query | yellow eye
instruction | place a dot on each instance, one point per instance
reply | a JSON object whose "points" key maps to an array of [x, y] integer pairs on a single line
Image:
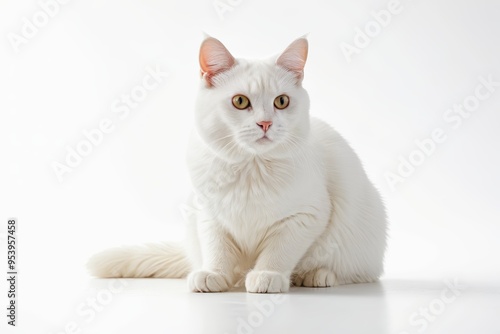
{"points": [[241, 102], [281, 102]]}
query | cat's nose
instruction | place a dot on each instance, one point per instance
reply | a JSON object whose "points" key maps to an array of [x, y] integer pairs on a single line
{"points": [[265, 125]]}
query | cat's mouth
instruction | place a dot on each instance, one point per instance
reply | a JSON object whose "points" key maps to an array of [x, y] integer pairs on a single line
{"points": [[264, 140]]}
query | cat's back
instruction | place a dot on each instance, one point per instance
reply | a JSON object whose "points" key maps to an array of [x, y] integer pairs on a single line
{"points": [[344, 171], [327, 139]]}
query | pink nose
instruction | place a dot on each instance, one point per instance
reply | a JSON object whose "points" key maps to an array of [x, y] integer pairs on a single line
{"points": [[265, 125]]}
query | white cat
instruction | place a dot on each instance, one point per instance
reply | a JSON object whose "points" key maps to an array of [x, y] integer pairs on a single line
{"points": [[279, 197]]}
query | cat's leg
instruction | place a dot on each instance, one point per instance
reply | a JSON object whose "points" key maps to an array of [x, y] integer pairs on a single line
{"points": [[281, 252], [315, 269], [219, 258], [350, 250]]}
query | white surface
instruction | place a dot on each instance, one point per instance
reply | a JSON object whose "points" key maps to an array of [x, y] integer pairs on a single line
{"points": [[165, 306], [444, 218]]}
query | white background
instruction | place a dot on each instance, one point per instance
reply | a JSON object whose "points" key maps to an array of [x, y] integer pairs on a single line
{"points": [[444, 218]]}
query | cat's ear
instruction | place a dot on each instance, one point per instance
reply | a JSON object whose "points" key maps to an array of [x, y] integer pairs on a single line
{"points": [[214, 59], [294, 57]]}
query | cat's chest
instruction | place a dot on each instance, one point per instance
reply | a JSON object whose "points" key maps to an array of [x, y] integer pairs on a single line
{"points": [[253, 191]]}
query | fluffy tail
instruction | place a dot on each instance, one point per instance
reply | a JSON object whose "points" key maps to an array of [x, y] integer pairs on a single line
{"points": [[152, 260]]}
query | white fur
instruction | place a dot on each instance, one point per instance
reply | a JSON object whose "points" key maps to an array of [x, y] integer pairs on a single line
{"points": [[296, 208]]}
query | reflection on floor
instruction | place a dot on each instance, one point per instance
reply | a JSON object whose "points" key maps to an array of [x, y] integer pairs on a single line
{"points": [[390, 306]]}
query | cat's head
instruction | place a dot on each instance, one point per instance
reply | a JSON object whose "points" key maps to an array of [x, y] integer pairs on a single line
{"points": [[252, 107]]}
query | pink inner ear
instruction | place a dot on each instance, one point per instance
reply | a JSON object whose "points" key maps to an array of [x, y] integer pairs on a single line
{"points": [[214, 58], [294, 57]]}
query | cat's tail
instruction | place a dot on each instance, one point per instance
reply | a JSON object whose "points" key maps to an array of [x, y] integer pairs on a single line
{"points": [[166, 260]]}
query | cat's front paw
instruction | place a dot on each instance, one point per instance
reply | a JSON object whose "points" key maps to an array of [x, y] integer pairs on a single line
{"points": [[207, 281], [263, 281], [318, 278]]}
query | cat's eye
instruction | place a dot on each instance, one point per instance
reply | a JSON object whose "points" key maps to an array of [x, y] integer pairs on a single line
{"points": [[241, 102], [281, 102]]}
